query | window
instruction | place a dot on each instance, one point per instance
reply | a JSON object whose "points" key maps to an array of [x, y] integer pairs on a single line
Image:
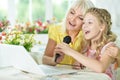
{"points": [[3, 8], [26, 10], [59, 9]]}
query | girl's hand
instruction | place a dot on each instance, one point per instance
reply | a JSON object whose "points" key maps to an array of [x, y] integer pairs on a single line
{"points": [[64, 48], [77, 65]]}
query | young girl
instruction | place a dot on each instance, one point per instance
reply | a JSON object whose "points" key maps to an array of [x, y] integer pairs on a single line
{"points": [[99, 51]]}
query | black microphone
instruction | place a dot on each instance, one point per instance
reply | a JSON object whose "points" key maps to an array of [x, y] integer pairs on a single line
{"points": [[67, 39]]}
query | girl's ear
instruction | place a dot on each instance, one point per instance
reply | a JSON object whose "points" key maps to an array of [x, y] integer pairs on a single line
{"points": [[101, 30], [102, 27]]}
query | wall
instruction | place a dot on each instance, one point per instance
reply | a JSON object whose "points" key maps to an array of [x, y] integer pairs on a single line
{"points": [[112, 7]]}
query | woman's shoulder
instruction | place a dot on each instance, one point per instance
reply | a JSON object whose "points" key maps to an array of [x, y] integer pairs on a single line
{"points": [[55, 26], [55, 30]]}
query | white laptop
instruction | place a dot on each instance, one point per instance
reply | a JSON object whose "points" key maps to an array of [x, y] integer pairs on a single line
{"points": [[17, 56]]}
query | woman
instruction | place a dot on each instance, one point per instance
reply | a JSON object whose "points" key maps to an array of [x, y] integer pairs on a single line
{"points": [[72, 27], [100, 52]]}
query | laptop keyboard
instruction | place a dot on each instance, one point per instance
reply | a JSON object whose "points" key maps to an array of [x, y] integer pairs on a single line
{"points": [[48, 69], [53, 70]]}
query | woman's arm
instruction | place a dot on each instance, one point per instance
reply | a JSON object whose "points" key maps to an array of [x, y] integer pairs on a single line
{"points": [[49, 53], [95, 65], [115, 53]]}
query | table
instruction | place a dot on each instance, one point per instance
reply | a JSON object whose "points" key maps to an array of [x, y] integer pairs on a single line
{"points": [[10, 73], [89, 75]]}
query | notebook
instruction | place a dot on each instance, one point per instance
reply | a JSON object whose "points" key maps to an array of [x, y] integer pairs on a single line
{"points": [[17, 56]]}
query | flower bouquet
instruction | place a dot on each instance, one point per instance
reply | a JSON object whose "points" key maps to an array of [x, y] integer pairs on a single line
{"points": [[36, 28], [3, 24], [18, 38]]}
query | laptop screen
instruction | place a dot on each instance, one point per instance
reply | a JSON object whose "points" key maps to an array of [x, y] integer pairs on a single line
{"points": [[18, 57]]}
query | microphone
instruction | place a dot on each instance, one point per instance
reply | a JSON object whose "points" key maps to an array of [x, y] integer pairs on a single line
{"points": [[67, 39]]}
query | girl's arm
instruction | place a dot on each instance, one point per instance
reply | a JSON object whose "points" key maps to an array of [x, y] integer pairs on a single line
{"points": [[93, 64]]}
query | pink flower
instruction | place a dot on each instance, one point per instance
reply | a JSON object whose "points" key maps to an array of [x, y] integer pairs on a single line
{"points": [[1, 24], [39, 23]]}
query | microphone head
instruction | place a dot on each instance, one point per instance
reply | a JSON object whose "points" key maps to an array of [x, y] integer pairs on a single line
{"points": [[67, 39]]}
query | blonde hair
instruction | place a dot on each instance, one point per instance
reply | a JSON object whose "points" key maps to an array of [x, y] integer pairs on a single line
{"points": [[104, 18], [83, 4]]}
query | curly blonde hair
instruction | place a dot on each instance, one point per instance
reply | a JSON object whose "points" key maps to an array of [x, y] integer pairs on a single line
{"points": [[103, 17]]}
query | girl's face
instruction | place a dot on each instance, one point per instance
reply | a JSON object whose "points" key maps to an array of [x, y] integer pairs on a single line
{"points": [[74, 19], [91, 27]]}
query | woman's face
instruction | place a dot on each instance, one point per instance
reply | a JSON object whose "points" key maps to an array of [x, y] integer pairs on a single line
{"points": [[74, 19], [91, 27]]}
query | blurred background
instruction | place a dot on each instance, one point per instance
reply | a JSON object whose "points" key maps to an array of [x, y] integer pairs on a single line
{"points": [[18, 12], [30, 10]]}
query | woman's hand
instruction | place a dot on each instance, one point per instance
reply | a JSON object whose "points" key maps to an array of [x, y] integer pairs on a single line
{"points": [[114, 51], [58, 57]]}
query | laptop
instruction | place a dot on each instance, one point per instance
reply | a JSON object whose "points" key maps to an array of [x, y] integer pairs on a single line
{"points": [[18, 57]]}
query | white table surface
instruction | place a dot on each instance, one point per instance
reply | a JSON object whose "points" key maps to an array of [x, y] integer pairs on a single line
{"points": [[10, 73]]}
